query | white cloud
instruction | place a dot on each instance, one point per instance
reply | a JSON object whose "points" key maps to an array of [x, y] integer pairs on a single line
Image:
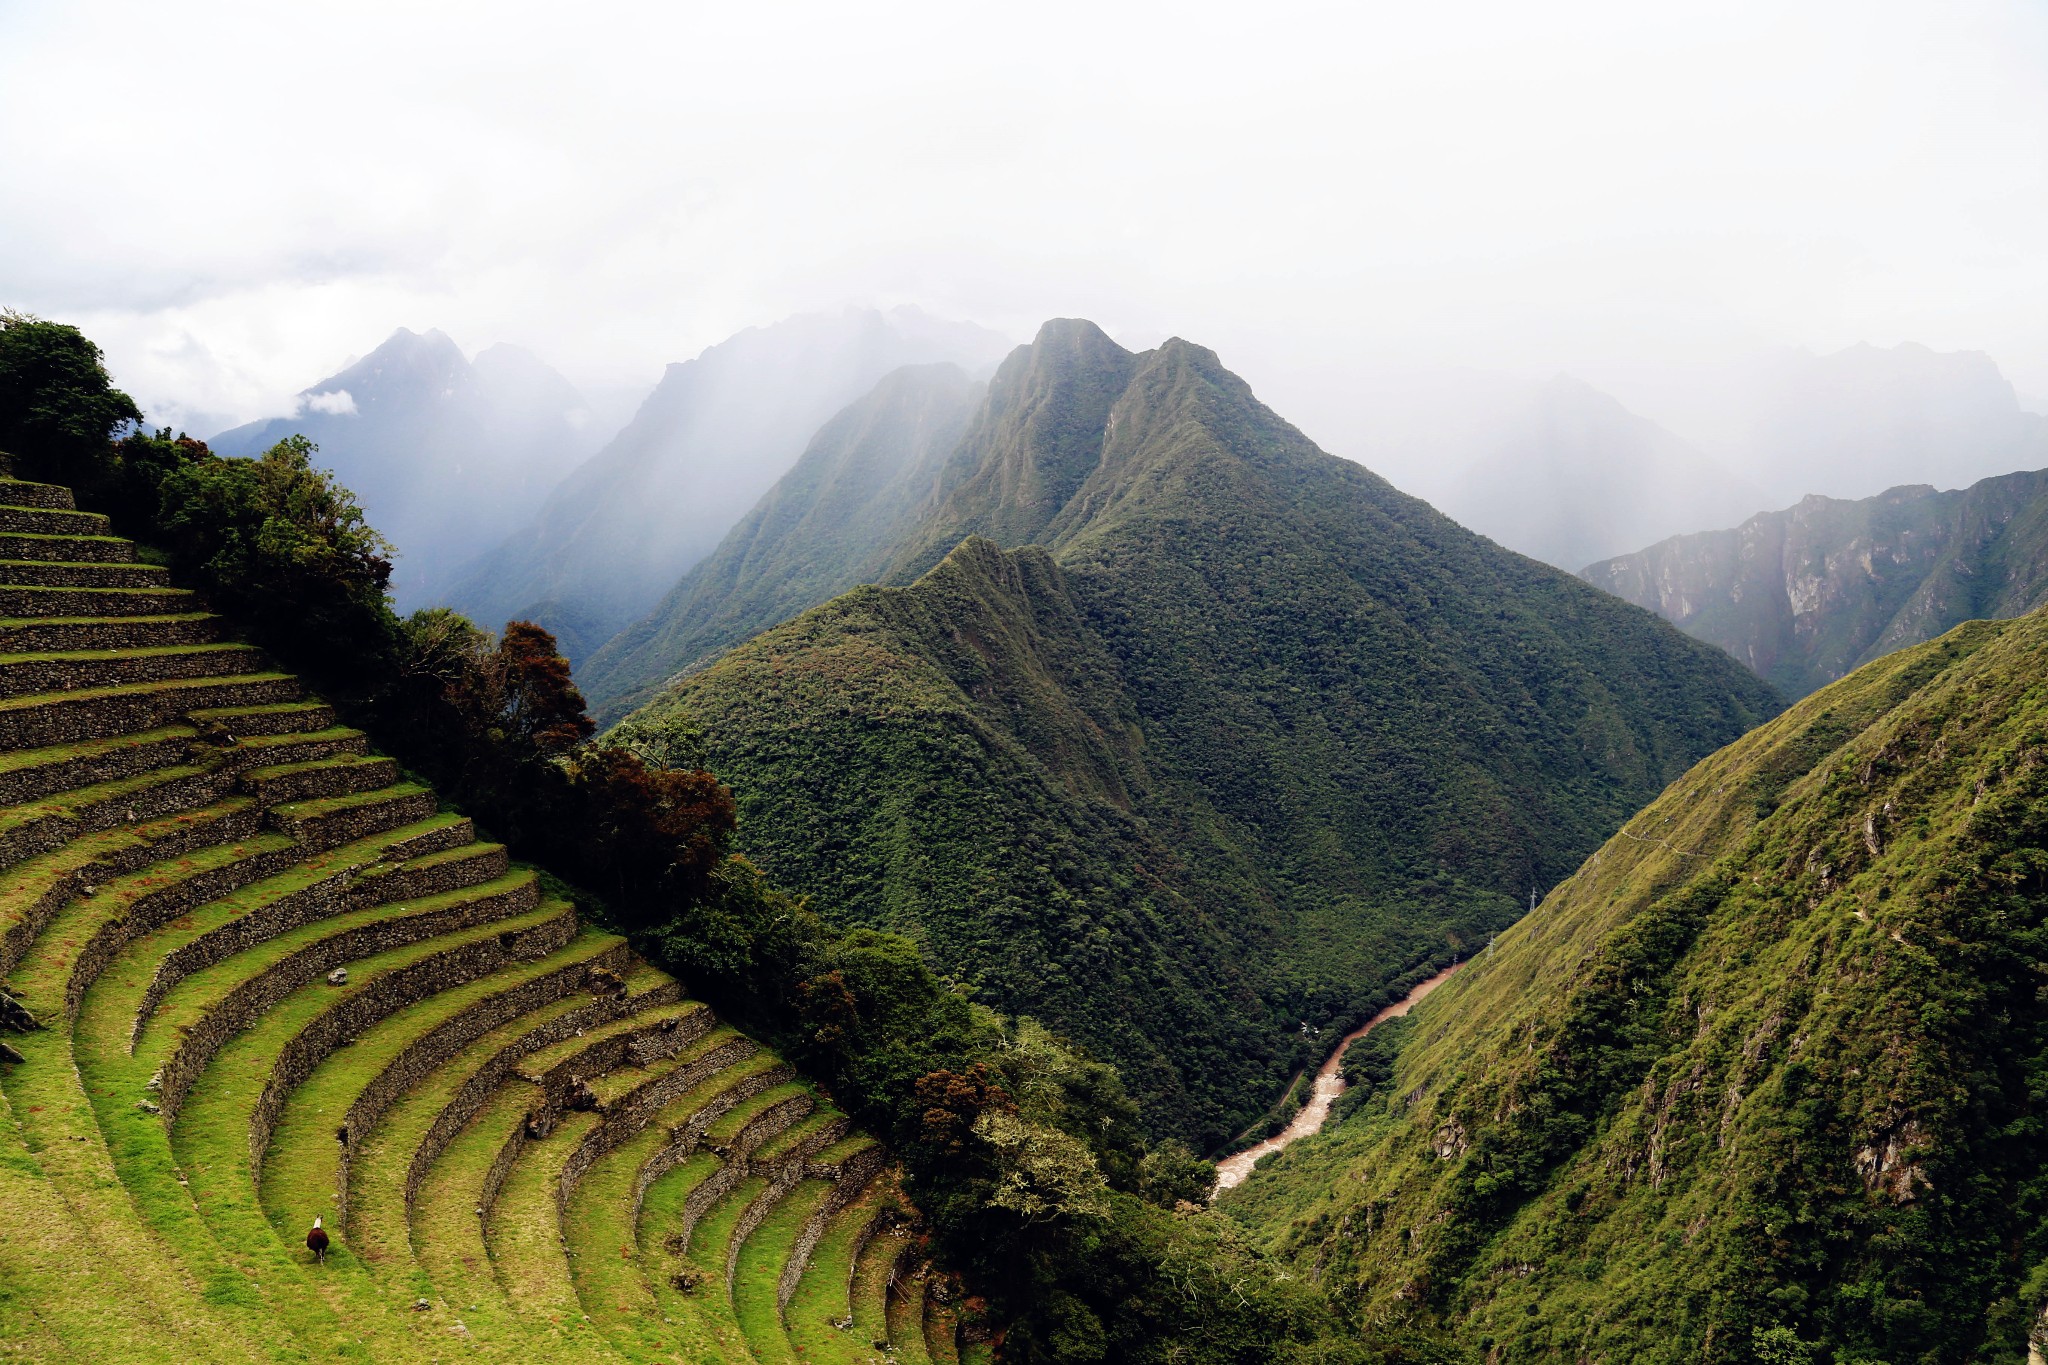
{"points": [[335, 403], [1311, 188]]}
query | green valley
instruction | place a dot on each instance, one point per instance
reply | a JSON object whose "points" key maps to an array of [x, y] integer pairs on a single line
{"points": [[1182, 735]]}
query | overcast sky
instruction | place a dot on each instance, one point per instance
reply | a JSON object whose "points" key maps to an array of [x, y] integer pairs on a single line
{"points": [[234, 198]]}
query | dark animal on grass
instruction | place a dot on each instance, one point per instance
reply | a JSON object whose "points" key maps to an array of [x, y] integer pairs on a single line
{"points": [[316, 1242]]}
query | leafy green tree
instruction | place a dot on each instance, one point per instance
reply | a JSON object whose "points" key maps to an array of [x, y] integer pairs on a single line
{"points": [[58, 408]]}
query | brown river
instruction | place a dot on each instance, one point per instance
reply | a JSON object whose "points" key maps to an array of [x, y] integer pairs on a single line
{"points": [[1232, 1170]]}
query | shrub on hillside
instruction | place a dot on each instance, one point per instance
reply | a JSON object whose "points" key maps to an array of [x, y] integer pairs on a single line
{"points": [[58, 407]]}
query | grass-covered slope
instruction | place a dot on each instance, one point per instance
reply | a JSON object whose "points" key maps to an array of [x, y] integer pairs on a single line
{"points": [[251, 976], [1762, 1081], [1806, 594], [827, 525], [1253, 736]]}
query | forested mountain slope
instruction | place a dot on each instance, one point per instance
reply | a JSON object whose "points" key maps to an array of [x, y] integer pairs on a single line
{"points": [[1762, 1081], [1252, 737], [1806, 594], [826, 526]]}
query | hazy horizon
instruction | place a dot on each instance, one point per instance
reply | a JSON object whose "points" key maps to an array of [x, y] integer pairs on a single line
{"points": [[233, 199]]}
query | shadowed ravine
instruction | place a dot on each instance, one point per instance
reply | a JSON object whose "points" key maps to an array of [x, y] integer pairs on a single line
{"points": [[1233, 1170]]}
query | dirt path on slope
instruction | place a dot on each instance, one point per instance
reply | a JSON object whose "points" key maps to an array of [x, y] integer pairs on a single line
{"points": [[1231, 1171]]}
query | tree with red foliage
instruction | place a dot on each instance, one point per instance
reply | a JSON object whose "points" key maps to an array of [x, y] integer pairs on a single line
{"points": [[953, 1101], [541, 706], [656, 830]]}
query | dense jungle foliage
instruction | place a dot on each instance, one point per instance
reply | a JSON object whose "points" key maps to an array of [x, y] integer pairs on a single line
{"points": [[1251, 741], [1082, 1241], [1764, 1081]]}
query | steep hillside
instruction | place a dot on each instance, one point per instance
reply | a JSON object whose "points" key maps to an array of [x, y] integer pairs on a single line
{"points": [[1804, 595], [1577, 477], [254, 976], [1762, 1081], [826, 526], [1251, 706], [446, 453], [712, 438]]}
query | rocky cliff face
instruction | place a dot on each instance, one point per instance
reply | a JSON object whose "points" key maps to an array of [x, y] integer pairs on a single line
{"points": [[1806, 594]]}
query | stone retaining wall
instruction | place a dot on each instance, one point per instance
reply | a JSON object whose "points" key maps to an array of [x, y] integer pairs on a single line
{"points": [[319, 830], [241, 1006], [68, 774], [469, 1098], [51, 521], [626, 1117], [23, 493], [66, 549], [439, 1045], [229, 827], [384, 997], [63, 673], [54, 828], [68, 720], [844, 1192], [332, 895], [330, 779], [157, 632], [395, 880], [652, 1041], [92, 590]]}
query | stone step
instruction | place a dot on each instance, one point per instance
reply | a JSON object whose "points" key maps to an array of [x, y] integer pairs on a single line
{"points": [[326, 821], [29, 774], [23, 596], [47, 549], [504, 925], [37, 889], [23, 493], [77, 670], [340, 775], [50, 822], [818, 1312], [775, 1241], [101, 712], [49, 521], [271, 894], [51, 634], [239, 723]]}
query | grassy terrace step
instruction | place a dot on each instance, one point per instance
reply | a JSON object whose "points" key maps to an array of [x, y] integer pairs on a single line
{"points": [[699, 1318], [27, 493], [757, 1118], [850, 1155], [95, 712], [761, 1261], [51, 521], [34, 891], [336, 775], [30, 774], [326, 1119], [206, 1008], [73, 670], [819, 1312], [66, 549], [638, 1039], [906, 1312], [66, 590], [324, 821], [43, 634], [398, 1157], [523, 1230], [212, 1139], [874, 1270], [814, 1132], [603, 1223], [713, 1243]]}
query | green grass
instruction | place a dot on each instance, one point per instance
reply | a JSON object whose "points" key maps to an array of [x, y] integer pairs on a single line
{"points": [[906, 1319], [223, 648], [523, 1232], [727, 1127], [20, 759], [823, 1295], [872, 1270], [379, 1220], [795, 1136], [758, 1270], [702, 1318], [70, 805], [711, 1243], [169, 686]]}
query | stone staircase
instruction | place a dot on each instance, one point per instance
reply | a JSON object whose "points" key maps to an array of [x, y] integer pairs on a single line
{"points": [[272, 979]]}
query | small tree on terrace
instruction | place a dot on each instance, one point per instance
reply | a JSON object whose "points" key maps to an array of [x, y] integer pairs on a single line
{"points": [[58, 409]]}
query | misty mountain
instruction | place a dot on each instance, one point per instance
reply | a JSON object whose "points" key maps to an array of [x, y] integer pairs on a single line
{"points": [[1574, 476], [708, 442], [830, 523], [1861, 420], [445, 453], [1806, 594], [1181, 734]]}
